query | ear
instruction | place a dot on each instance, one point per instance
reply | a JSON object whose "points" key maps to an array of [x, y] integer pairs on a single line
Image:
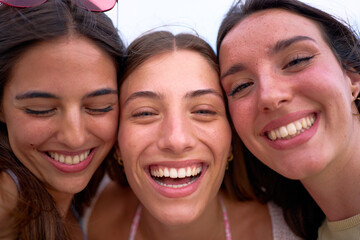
{"points": [[354, 84], [117, 149]]}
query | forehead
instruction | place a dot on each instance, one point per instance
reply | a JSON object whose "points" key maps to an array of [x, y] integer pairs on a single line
{"points": [[263, 29], [181, 70]]}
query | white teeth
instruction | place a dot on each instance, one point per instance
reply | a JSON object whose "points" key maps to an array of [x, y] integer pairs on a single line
{"points": [[292, 129], [69, 160], [176, 185], [176, 172]]}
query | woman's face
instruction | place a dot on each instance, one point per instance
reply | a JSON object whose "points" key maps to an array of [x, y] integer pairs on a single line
{"points": [[61, 110], [289, 98], [174, 137]]}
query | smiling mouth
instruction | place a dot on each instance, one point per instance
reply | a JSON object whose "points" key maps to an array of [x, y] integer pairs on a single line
{"points": [[292, 129], [176, 177], [69, 159]]}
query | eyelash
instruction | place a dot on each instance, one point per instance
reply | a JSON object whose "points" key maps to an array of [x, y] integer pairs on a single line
{"points": [[100, 110], [142, 114], [47, 112], [37, 113], [205, 112], [298, 60], [240, 87]]}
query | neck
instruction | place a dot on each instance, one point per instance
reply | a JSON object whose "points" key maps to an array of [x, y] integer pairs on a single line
{"points": [[336, 189], [209, 225], [62, 202]]}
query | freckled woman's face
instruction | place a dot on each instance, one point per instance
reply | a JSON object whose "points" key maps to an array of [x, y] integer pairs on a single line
{"points": [[174, 137], [289, 98], [61, 111]]}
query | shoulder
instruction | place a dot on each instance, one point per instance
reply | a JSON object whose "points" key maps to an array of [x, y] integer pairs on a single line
{"points": [[112, 214], [8, 196], [248, 219]]}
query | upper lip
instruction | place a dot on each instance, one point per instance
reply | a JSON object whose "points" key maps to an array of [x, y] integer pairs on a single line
{"points": [[284, 120]]}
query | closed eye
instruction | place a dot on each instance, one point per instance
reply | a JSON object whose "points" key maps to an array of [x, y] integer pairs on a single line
{"points": [[298, 61], [41, 113], [240, 88]]}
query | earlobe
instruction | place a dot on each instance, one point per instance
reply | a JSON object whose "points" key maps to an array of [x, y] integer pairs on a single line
{"points": [[354, 85]]}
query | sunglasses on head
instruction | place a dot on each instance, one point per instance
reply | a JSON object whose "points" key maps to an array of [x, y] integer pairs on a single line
{"points": [[92, 5]]}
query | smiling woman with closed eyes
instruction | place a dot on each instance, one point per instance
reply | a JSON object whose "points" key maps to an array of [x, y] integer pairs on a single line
{"points": [[291, 75], [59, 114]]}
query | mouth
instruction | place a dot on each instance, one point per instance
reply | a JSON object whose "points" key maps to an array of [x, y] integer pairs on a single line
{"points": [[292, 129], [176, 177], [69, 159]]}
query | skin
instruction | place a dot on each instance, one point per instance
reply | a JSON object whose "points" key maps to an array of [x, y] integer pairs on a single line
{"points": [[269, 87], [175, 126], [172, 126], [76, 111]]}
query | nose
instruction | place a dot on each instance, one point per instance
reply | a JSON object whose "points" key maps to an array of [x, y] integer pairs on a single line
{"points": [[176, 134], [72, 130], [274, 92]]}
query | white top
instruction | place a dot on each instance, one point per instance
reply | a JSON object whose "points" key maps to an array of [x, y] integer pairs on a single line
{"points": [[281, 230]]}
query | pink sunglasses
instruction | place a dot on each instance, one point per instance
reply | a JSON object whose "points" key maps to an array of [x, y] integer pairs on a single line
{"points": [[92, 5]]}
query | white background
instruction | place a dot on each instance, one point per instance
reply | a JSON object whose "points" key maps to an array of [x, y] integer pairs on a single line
{"points": [[134, 17]]}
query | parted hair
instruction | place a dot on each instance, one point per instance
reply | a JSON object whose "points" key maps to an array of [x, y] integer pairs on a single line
{"points": [[301, 212], [35, 216]]}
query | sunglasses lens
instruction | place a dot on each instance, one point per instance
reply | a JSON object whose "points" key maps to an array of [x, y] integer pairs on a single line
{"points": [[96, 5], [22, 3]]}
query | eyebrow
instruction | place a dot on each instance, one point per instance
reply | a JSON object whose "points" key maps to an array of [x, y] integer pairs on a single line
{"points": [[279, 46], [153, 95], [202, 92], [39, 94], [282, 44], [142, 94]]}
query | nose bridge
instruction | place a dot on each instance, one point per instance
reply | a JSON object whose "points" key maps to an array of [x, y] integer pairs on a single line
{"points": [[273, 91], [177, 135], [72, 131]]}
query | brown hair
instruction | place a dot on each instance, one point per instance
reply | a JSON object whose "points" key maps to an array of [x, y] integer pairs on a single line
{"points": [[155, 43], [35, 216], [300, 211]]}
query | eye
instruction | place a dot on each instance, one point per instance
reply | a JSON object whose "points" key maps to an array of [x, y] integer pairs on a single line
{"points": [[40, 113], [298, 61], [204, 112], [99, 111], [143, 114], [240, 88]]}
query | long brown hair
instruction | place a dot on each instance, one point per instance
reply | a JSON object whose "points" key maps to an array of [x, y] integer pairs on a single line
{"points": [[300, 211], [158, 42], [35, 216]]}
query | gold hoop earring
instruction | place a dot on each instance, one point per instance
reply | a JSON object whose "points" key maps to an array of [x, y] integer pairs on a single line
{"points": [[229, 159], [118, 159]]}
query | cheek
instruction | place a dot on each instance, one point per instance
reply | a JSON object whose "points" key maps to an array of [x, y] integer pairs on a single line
{"points": [[241, 116], [105, 128]]}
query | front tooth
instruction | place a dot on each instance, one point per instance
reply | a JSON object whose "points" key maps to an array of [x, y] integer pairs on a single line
{"points": [[298, 126], [56, 156], [272, 135], [173, 173], [291, 129], [68, 160], [61, 158], [166, 172], [161, 172], [82, 157], [188, 171], [283, 132], [181, 173]]}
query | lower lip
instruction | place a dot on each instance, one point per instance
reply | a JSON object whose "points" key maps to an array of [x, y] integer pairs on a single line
{"points": [[303, 137], [74, 168], [178, 192]]}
